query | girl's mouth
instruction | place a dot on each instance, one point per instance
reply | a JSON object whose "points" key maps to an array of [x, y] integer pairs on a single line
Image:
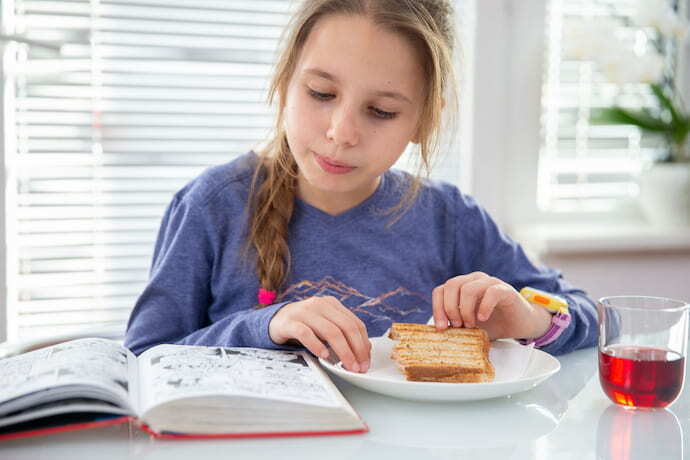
{"points": [[332, 167]]}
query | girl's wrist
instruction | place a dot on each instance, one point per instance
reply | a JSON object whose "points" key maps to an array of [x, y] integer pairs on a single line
{"points": [[542, 322], [275, 326]]}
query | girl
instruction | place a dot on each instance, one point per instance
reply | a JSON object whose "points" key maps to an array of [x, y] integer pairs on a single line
{"points": [[314, 241]]}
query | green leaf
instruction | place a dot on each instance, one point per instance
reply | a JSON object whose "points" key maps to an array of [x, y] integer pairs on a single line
{"points": [[620, 116], [680, 132], [666, 102]]}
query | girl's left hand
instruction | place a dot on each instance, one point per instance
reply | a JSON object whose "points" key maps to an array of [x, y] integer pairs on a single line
{"points": [[486, 302]]}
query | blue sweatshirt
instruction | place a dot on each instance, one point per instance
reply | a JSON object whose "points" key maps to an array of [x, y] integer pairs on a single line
{"points": [[203, 288]]}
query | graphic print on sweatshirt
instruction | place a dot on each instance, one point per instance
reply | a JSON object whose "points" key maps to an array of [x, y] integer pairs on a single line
{"points": [[400, 304]]}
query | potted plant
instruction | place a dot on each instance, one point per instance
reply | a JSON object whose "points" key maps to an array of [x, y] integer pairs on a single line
{"points": [[650, 61]]}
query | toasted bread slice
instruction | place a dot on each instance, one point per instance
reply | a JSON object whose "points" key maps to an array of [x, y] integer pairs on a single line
{"points": [[455, 355]]}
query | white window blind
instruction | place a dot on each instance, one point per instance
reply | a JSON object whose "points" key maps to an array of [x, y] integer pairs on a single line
{"points": [[141, 97], [585, 167]]}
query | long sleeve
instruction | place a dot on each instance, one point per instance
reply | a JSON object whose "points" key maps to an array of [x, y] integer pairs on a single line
{"points": [[481, 246], [174, 305]]}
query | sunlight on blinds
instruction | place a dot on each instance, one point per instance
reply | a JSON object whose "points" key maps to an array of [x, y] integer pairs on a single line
{"points": [[585, 167], [142, 97]]}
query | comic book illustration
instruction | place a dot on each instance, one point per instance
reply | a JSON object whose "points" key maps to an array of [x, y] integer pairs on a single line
{"points": [[173, 371], [96, 362]]}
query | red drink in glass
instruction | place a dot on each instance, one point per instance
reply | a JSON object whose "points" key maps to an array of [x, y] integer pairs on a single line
{"points": [[638, 376]]}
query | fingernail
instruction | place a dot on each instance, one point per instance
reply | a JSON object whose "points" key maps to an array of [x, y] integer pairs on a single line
{"points": [[439, 324], [365, 366], [355, 367], [455, 323], [324, 354]]}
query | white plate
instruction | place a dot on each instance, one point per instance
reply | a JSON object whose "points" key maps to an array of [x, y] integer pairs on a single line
{"points": [[518, 368]]}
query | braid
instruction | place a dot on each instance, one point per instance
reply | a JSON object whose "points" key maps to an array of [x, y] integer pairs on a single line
{"points": [[273, 205]]}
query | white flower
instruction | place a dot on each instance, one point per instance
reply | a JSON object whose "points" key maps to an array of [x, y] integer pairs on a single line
{"points": [[620, 68], [647, 12], [660, 15], [584, 40], [650, 68], [680, 30], [600, 40]]}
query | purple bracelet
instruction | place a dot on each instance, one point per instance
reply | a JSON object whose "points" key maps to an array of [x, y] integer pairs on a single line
{"points": [[559, 322]]}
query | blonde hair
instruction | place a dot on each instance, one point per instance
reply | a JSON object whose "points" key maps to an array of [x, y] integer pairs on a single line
{"points": [[427, 24]]}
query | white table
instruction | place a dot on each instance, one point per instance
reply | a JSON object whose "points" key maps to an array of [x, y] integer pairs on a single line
{"points": [[566, 417]]}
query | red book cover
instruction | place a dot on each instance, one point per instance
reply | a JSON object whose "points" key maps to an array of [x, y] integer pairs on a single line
{"points": [[100, 421], [42, 427]]}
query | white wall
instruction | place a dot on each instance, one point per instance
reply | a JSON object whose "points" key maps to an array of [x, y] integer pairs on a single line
{"points": [[663, 274]]}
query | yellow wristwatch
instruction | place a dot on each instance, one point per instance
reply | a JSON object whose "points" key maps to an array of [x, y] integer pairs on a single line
{"points": [[556, 305]]}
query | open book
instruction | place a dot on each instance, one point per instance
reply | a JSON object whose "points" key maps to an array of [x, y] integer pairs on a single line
{"points": [[171, 391]]}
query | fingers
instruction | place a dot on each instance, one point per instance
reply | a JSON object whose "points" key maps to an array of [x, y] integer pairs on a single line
{"points": [[319, 322], [493, 295], [355, 333], [467, 299], [440, 317], [470, 296], [457, 299], [334, 336], [306, 336], [451, 302]]}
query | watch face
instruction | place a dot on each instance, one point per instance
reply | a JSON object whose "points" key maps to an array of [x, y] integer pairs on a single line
{"points": [[551, 302]]}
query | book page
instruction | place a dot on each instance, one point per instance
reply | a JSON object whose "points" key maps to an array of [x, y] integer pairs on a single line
{"points": [[169, 372], [99, 363]]}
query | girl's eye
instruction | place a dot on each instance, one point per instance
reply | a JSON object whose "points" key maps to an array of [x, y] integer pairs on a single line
{"points": [[320, 96], [383, 114], [326, 97]]}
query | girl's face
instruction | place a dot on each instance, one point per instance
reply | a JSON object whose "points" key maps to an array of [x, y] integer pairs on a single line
{"points": [[352, 107]]}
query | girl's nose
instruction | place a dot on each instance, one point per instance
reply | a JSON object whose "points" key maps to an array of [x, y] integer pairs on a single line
{"points": [[343, 129]]}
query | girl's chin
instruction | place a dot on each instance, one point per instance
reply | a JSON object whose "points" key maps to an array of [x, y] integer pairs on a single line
{"points": [[330, 187], [327, 183]]}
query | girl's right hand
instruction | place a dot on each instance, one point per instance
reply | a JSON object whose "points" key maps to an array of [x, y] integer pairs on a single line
{"points": [[319, 321]]}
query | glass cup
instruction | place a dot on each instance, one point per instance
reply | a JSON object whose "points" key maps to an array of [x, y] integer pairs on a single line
{"points": [[642, 346]]}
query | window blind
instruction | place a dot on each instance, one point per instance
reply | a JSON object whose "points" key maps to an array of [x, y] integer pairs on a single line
{"points": [[142, 96], [585, 167]]}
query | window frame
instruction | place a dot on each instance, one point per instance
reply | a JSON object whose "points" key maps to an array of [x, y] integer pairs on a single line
{"points": [[5, 119]]}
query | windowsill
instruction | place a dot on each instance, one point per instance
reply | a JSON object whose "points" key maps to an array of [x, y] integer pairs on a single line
{"points": [[560, 239]]}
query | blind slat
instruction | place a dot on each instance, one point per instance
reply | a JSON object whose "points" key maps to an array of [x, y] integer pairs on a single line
{"points": [[57, 305]]}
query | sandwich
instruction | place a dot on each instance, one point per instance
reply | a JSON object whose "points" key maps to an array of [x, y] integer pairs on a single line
{"points": [[425, 354]]}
